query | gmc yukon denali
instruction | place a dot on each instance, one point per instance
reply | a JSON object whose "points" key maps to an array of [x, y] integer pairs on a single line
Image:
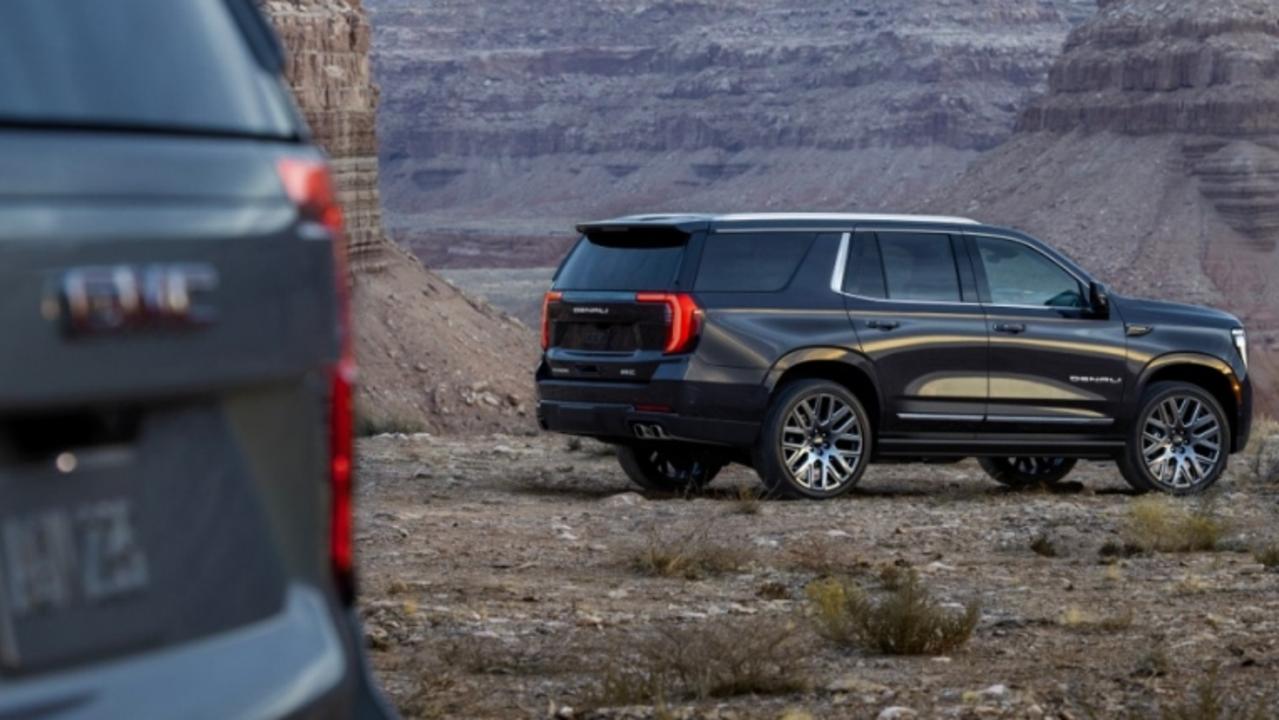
{"points": [[175, 415], [808, 346]]}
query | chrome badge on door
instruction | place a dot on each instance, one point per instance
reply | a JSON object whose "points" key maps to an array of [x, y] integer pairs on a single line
{"points": [[114, 298]]}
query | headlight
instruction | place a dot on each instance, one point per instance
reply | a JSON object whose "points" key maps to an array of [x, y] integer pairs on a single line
{"points": [[1241, 344]]}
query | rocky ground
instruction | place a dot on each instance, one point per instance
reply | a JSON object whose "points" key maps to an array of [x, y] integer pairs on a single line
{"points": [[503, 578]]}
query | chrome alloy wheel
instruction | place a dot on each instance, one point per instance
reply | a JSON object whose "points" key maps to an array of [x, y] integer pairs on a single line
{"points": [[1181, 442], [822, 443]]}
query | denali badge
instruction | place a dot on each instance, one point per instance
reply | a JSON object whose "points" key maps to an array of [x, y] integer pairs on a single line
{"points": [[590, 310], [1091, 380], [121, 297]]}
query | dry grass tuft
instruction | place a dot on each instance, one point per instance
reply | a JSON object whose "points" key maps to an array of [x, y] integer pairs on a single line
{"points": [[692, 557], [1042, 545], [1267, 555], [718, 660], [1082, 620], [1163, 524], [904, 621], [1207, 701], [747, 501], [368, 425], [823, 556], [1260, 458]]}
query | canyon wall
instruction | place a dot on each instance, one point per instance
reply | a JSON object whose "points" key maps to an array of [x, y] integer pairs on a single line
{"points": [[504, 123], [430, 357], [1154, 160]]}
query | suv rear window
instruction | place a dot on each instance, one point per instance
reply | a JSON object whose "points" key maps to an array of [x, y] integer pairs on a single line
{"points": [[624, 261], [763, 262], [150, 64]]}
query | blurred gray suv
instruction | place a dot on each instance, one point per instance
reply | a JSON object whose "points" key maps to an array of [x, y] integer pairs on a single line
{"points": [[175, 378]]}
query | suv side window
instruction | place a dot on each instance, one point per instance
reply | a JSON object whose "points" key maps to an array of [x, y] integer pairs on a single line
{"points": [[751, 262], [1017, 274], [919, 266], [864, 270]]}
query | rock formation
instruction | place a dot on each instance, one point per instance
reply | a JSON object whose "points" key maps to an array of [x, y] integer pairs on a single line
{"points": [[504, 123], [1154, 159], [430, 357]]}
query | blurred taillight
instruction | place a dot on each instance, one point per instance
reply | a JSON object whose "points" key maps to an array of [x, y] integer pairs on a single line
{"points": [[309, 184], [552, 296], [683, 319]]}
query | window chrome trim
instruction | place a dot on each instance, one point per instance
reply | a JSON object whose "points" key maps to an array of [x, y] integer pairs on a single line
{"points": [[841, 263]]}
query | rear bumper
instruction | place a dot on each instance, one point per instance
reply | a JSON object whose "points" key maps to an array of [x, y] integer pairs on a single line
{"points": [[295, 664], [698, 404]]}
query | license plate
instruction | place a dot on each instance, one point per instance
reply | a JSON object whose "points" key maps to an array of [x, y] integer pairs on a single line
{"points": [[62, 561]]}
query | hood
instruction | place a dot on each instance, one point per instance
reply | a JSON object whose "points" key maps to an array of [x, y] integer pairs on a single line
{"points": [[1154, 312]]}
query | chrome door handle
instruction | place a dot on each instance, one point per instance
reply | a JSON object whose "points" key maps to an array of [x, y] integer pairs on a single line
{"points": [[1010, 328], [883, 324]]}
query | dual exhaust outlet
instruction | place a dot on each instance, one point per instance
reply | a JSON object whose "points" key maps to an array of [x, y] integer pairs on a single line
{"points": [[649, 431]]}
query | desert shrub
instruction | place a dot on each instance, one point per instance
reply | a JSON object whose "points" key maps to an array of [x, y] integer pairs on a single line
{"points": [[1207, 701], [903, 621], [822, 556], [718, 660], [1163, 524], [691, 557], [368, 425]]}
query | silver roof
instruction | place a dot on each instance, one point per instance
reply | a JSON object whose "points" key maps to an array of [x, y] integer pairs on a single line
{"points": [[846, 217]]}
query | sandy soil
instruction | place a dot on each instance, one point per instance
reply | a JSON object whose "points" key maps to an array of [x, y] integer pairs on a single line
{"points": [[499, 581]]}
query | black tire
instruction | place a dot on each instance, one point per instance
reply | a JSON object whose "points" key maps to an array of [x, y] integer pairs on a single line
{"points": [[819, 440], [669, 467], [1026, 472], [1187, 437]]}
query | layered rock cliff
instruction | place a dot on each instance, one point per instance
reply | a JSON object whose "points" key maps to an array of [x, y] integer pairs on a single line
{"points": [[1154, 159], [503, 123], [430, 357]]}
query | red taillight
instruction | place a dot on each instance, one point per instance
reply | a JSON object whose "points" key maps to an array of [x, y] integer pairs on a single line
{"points": [[683, 319], [550, 297], [308, 183]]}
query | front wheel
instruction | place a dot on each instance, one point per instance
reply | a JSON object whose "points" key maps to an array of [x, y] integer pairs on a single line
{"points": [[1025, 472], [1179, 442], [815, 442], [669, 467]]}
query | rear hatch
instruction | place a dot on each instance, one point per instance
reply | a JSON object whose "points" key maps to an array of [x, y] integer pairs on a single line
{"points": [[170, 319], [615, 310]]}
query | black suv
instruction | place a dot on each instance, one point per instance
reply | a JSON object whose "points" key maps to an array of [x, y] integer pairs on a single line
{"points": [[808, 345]]}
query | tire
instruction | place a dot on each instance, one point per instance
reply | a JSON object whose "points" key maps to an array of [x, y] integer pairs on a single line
{"points": [[1026, 472], [1191, 455], [668, 467], [840, 440]]}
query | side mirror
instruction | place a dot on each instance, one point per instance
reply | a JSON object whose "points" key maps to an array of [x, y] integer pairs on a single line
{"points": [[1099, 300]]}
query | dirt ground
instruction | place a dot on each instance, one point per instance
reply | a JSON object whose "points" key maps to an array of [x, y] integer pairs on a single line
{"points": [[500, 581]]}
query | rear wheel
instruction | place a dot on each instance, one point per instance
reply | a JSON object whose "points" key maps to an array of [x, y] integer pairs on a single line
{"points": [[815, 442], [1179, 441], [1022, 472], [669, 467]]}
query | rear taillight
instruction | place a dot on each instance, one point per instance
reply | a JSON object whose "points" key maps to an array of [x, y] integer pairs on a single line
{"points": [[310, 186], [683, 319], [551, 296]]}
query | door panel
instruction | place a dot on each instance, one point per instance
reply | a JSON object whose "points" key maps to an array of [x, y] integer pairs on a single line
{"points": [[1054, 366], [929, 347]]}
